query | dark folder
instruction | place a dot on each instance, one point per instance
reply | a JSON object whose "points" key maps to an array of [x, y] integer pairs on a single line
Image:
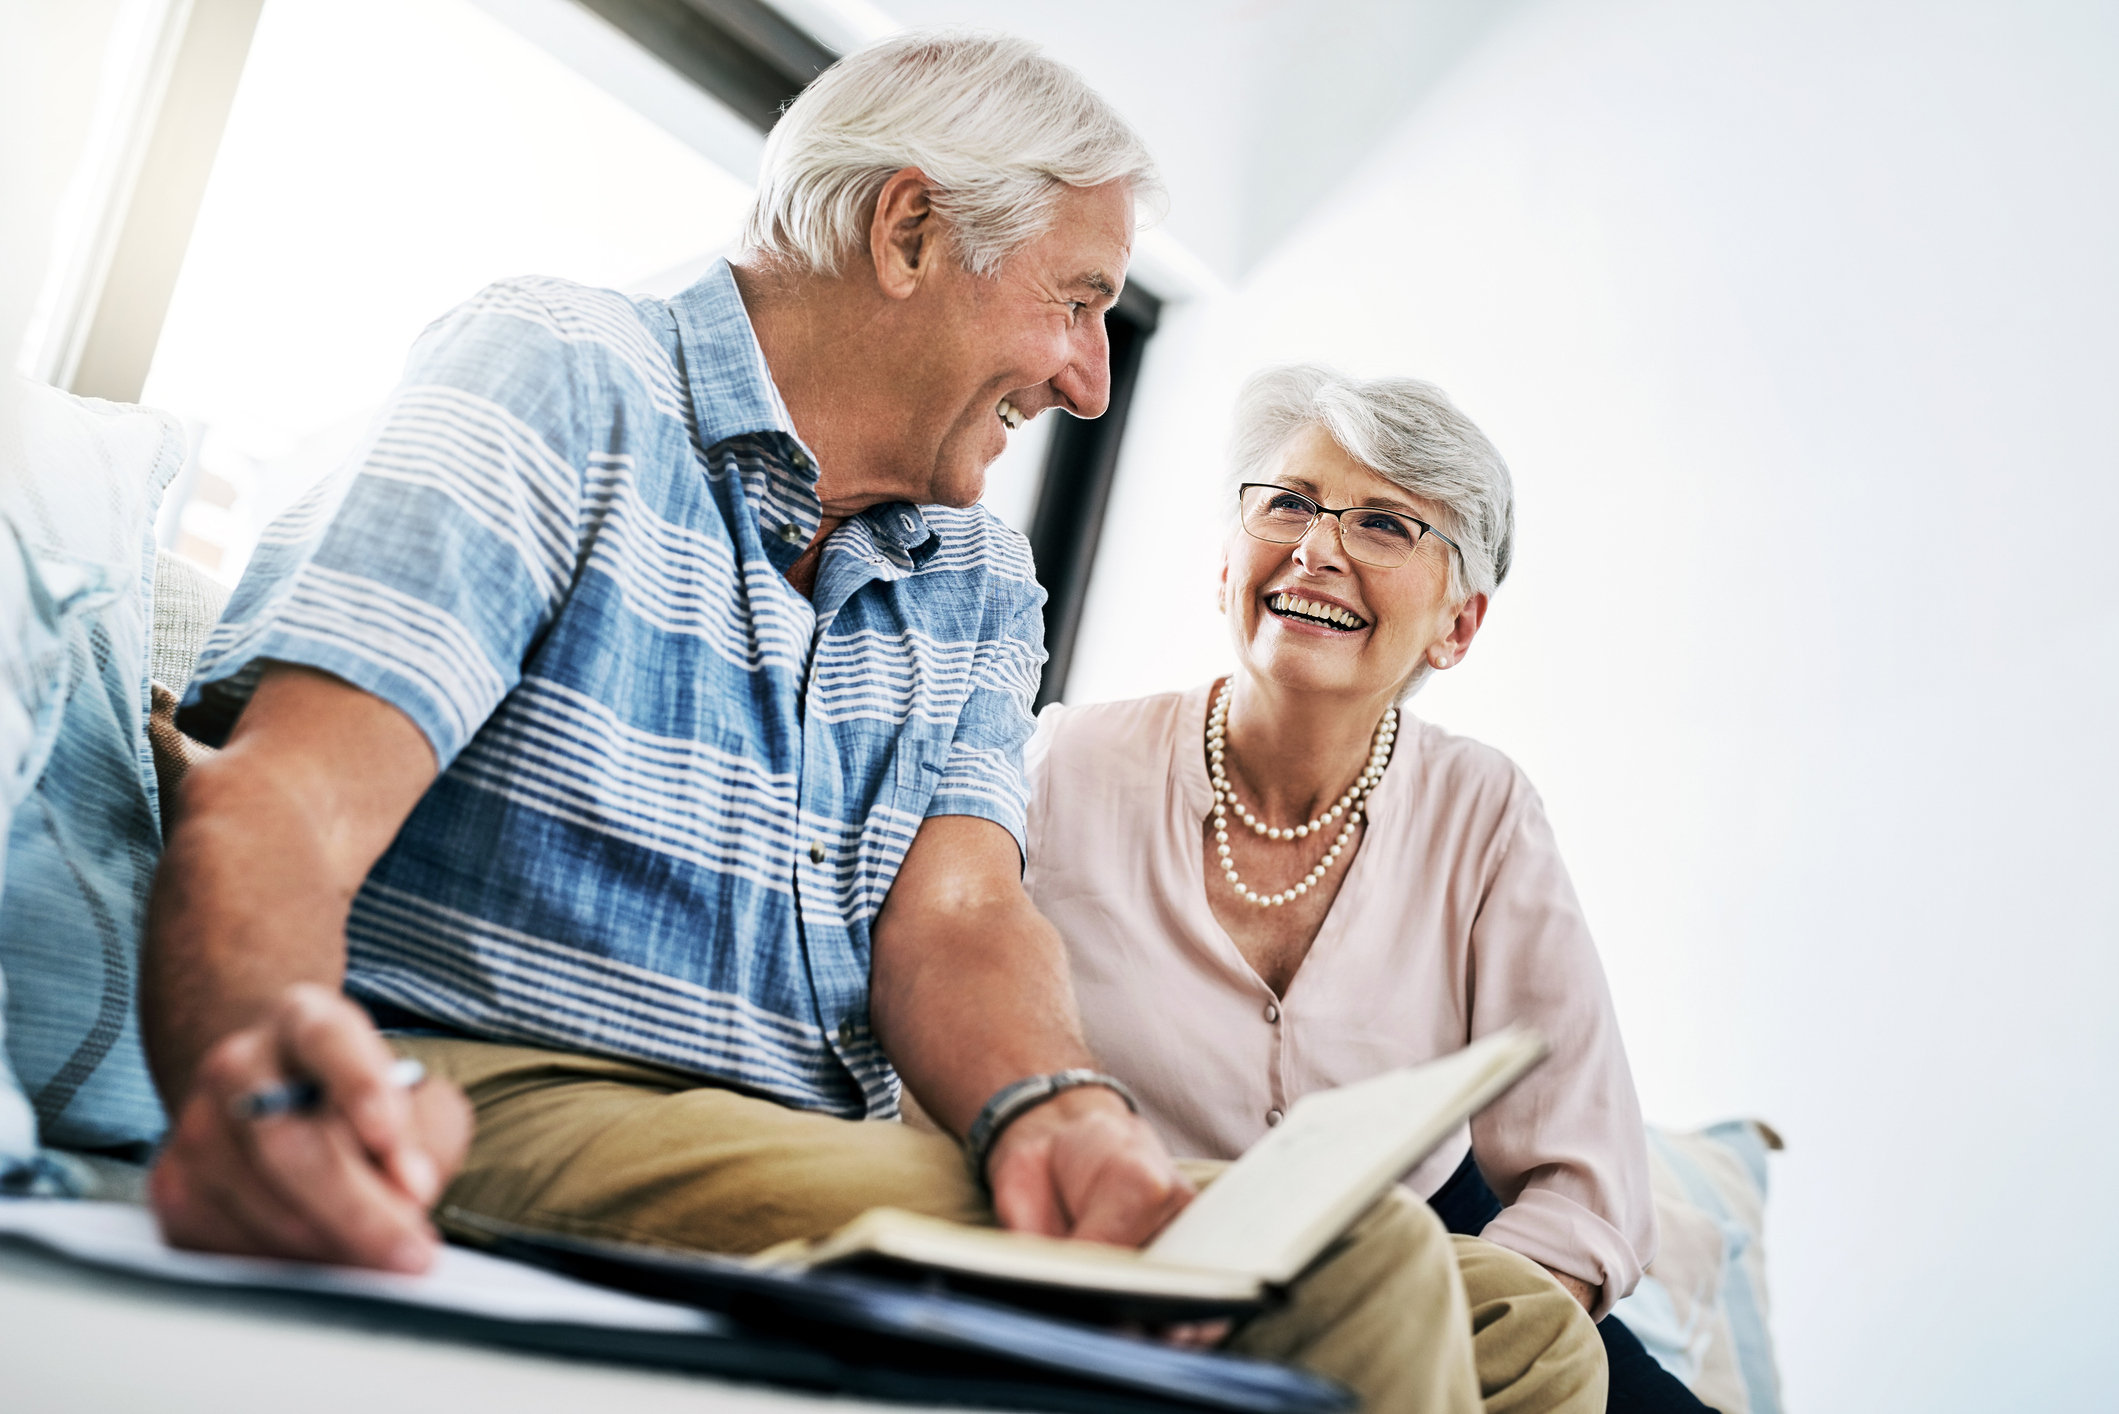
{"points": [[882, 1339]]}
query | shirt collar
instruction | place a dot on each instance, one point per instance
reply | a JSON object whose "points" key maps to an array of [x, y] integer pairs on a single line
{"points": [[899, 526], [733, 392], [734, 395]]}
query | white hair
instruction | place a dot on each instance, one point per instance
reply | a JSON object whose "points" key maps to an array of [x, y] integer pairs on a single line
{"points": [[1407, 432], [998, 128]]}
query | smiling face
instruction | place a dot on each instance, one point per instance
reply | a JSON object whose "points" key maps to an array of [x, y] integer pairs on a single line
{"points": [[998, 350], [1309, 618]]}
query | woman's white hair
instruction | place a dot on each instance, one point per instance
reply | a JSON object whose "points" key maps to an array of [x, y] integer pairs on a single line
{"points": [[997, 127], [1407, 432]]}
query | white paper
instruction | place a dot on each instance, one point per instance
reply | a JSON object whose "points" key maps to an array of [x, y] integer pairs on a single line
{"points": [[122, 1236]]}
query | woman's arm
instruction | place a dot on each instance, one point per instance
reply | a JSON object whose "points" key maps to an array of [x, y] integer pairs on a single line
{"points": [[1565, 1149]]}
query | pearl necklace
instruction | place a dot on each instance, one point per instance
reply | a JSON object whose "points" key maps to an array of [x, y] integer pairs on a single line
{"points": [[1348, 804]]}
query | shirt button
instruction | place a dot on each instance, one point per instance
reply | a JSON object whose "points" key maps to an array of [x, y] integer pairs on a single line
{"points": [[846, 1032], [801, 462], [1272, 1012], [816, 851], [1274, 1117], [791, 533]]}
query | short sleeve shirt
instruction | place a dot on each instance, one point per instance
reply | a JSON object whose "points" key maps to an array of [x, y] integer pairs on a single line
{"points": [[673, 791]]}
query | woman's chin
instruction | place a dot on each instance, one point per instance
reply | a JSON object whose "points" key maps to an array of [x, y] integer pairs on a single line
{"points": [[1312, 673]]}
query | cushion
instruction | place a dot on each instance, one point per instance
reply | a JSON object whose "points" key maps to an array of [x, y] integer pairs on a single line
{"points": [[1701, 1307], [33, 659], [80, 481], [187, 605]]}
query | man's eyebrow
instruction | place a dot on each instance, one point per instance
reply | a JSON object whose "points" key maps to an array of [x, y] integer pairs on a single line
{"points": [[1098, 281]]}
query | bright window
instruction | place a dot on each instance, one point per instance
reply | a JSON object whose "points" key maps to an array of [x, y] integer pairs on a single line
{"points": [[383, 161]]}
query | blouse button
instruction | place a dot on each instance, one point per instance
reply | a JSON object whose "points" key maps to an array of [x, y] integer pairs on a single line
{"points": [[1272, 1012], [1274, 1117], [816, 851]]}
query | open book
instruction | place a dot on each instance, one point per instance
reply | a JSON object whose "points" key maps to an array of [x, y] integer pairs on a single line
{"points": [[1256, 1227]]}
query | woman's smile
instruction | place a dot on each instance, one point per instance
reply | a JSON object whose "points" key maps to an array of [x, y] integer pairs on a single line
{"points": [[1313, 611]]}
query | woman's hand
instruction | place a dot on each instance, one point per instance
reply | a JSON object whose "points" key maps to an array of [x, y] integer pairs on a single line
{"points": [[1579, 1289]]}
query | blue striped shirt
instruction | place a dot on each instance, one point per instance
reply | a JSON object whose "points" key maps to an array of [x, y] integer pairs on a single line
{"points": [[673, 791]]}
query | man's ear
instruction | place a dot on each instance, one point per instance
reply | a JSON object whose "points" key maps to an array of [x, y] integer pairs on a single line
{"points": [[902, 235]]}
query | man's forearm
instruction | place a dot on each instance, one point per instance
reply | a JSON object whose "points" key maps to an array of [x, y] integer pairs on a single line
{"points": [[243, 908], [982, 1000], [968, 984], [968, 992], [272, 840]]}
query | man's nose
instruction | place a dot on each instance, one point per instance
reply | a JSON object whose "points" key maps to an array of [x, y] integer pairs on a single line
{"points": [[1085, 383]]}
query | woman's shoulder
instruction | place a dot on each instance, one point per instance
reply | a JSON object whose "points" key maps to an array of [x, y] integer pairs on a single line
{"points": [[1462, 768], [1138, 728]]}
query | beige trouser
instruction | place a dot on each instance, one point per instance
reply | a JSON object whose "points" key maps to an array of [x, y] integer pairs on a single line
{"points": [[1405, 1315]]}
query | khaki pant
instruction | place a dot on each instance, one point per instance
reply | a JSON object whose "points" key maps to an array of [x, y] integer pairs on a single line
{"points": [[1407, 1316]]}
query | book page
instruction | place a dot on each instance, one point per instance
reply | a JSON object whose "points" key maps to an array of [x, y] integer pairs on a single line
{"points": [[1338, 1151], [1011, 1256]]}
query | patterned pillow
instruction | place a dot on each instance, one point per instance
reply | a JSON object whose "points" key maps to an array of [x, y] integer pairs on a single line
{"points": [[80, 481], [36, 599], [1701, 1309]]}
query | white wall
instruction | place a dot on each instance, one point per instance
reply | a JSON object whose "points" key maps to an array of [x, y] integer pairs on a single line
{"points": [[1796, 322]]}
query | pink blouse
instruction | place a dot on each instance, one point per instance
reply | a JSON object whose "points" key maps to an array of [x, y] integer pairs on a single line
{"points": [[1456, 918]]}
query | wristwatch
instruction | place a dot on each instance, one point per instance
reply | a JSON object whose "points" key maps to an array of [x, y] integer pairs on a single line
{"points": [[1012, 1102]]}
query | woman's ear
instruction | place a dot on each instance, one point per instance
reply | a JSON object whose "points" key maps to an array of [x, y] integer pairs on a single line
{"points": [[901, 234], [1221, 585], [1449, 650]]}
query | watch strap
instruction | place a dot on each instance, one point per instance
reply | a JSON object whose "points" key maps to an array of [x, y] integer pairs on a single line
{"points": [[1012, 1102]]}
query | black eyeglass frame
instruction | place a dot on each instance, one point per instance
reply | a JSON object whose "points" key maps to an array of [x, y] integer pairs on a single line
{"points": [[1318, 508]]}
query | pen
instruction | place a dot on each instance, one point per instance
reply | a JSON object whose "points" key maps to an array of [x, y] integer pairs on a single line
{"points": [[303, 1096]]}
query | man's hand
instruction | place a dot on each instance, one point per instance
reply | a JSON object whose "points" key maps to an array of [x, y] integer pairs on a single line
{"points": [[350, 1183], [1083, 1165]]}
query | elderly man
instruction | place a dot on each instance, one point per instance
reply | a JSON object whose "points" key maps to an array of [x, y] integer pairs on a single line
{"points": [[634, 735]]}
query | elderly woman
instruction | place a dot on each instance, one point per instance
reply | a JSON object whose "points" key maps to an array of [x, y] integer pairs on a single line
{"points": [[1278, 882]]}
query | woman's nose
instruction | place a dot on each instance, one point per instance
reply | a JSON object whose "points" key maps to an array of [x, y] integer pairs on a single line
{"points": [[1320, 544]]}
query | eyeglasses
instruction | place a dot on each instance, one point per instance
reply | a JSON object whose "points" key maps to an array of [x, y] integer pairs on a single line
{"points": [[1384, 539]]}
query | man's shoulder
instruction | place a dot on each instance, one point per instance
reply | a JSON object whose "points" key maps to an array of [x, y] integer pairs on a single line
{"points": [[975, 540], [570, 305], [542, 319]]}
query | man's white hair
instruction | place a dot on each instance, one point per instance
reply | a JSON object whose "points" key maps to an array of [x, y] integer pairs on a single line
{"points": [[997, 127]]}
